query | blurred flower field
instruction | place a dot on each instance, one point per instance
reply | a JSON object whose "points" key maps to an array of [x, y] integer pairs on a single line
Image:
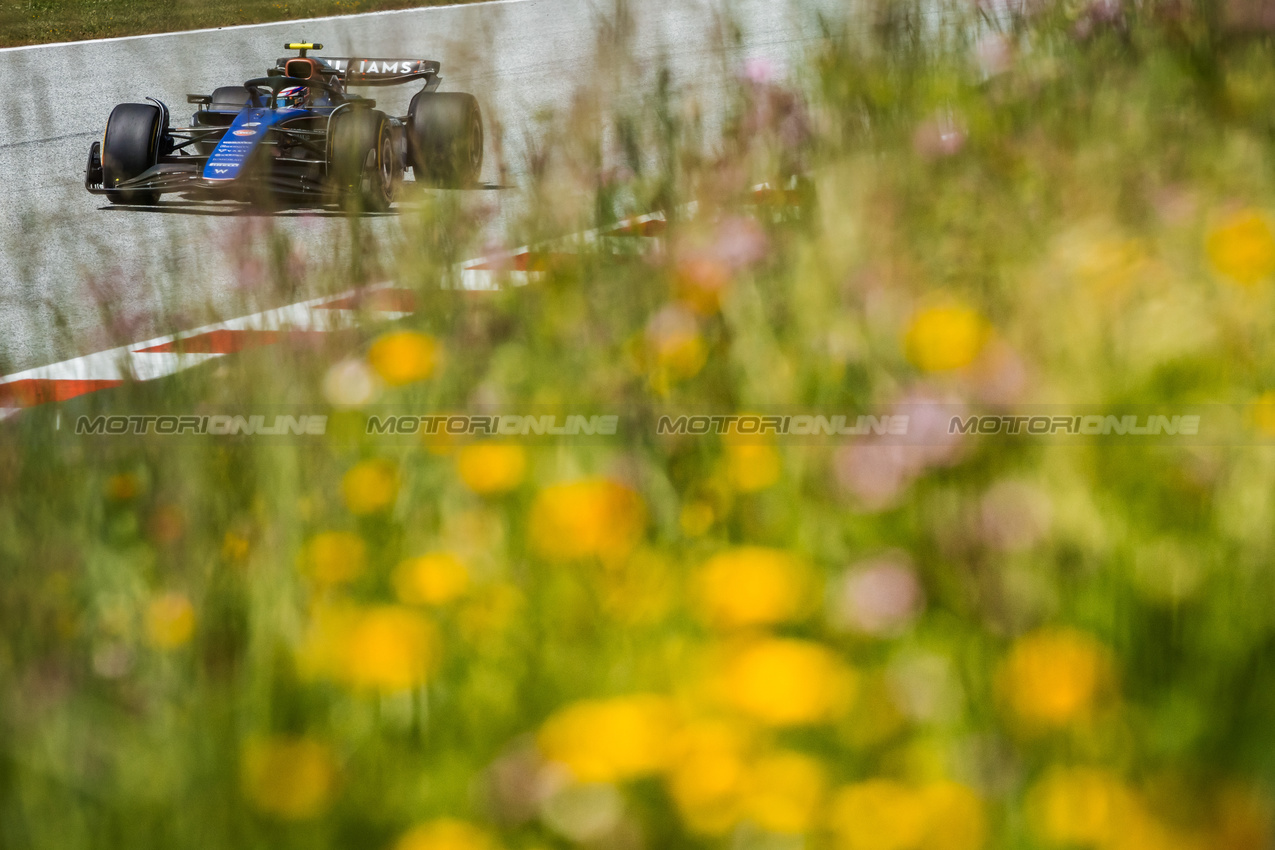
{"points": [[651, 641]]}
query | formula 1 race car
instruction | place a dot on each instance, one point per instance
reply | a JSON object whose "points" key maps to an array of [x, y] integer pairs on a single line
{"points": [[297, 133]]}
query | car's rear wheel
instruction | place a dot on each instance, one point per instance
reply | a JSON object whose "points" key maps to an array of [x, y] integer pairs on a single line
{"points": [[363, 166], [445, 137], [130, 146]]}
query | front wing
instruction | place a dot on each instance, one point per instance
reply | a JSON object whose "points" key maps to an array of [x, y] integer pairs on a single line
{"points": [[180, 169]]}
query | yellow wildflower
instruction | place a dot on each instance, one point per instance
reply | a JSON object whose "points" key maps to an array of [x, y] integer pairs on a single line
{"points": [[752, 586], [583, 518], [1263, 413], [402, 357], [607, 740], [370, 487], [334, 557], [488, 468], [784, 792], [446, 834], [706, 775], [955, 818], [751, 467], [786, 682], [433, 579], [879, 814], [291, 778], [387, 648], [883, 814], [1078, 806], [1053, 677], [170, 621], [1242, 247], [944, 338], [674, 346], [390, 649]]}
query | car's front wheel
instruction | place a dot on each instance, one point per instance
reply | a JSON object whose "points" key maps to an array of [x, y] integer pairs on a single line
{"points": [[130, 146], [363, 165]]}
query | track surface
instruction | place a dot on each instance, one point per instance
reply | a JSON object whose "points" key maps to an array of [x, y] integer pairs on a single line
{"points": [[61, 248]]}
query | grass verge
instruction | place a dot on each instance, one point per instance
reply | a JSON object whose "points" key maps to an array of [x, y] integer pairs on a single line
{"points": [[45, 21]]}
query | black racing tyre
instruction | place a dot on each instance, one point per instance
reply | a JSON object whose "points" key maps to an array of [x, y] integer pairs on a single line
{"points": [[363, 165], [131, 145], [445, 138]]}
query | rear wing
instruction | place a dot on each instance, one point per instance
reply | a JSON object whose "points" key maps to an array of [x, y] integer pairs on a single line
{"points": [[354, 71]]}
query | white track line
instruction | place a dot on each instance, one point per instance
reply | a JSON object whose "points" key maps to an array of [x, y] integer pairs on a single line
{"points": [[482, 274], [132, 363], [129, 362]]}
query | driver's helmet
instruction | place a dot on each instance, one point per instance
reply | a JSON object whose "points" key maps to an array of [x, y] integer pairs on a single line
{"points": [[292, 96]]}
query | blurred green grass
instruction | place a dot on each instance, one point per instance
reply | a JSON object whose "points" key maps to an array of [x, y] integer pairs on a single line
{"points": [[713, 642], [45, 21]]}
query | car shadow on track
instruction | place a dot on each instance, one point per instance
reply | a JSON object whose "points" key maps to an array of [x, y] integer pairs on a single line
{"points": [[203, 209], [224, 209]]}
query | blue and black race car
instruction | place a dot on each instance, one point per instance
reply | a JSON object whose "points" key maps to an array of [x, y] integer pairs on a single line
{"points": [[298, 134]]}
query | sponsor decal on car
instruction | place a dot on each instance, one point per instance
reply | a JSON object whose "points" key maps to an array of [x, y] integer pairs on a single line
{"points": [[375, 67], [388, 66], [248, 131]]}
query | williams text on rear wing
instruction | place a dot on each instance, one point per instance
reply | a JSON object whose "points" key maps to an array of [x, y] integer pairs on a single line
{"points": [[355, 71]]}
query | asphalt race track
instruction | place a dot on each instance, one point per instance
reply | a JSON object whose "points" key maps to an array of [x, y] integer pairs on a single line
{"points": [[62, 248]]}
